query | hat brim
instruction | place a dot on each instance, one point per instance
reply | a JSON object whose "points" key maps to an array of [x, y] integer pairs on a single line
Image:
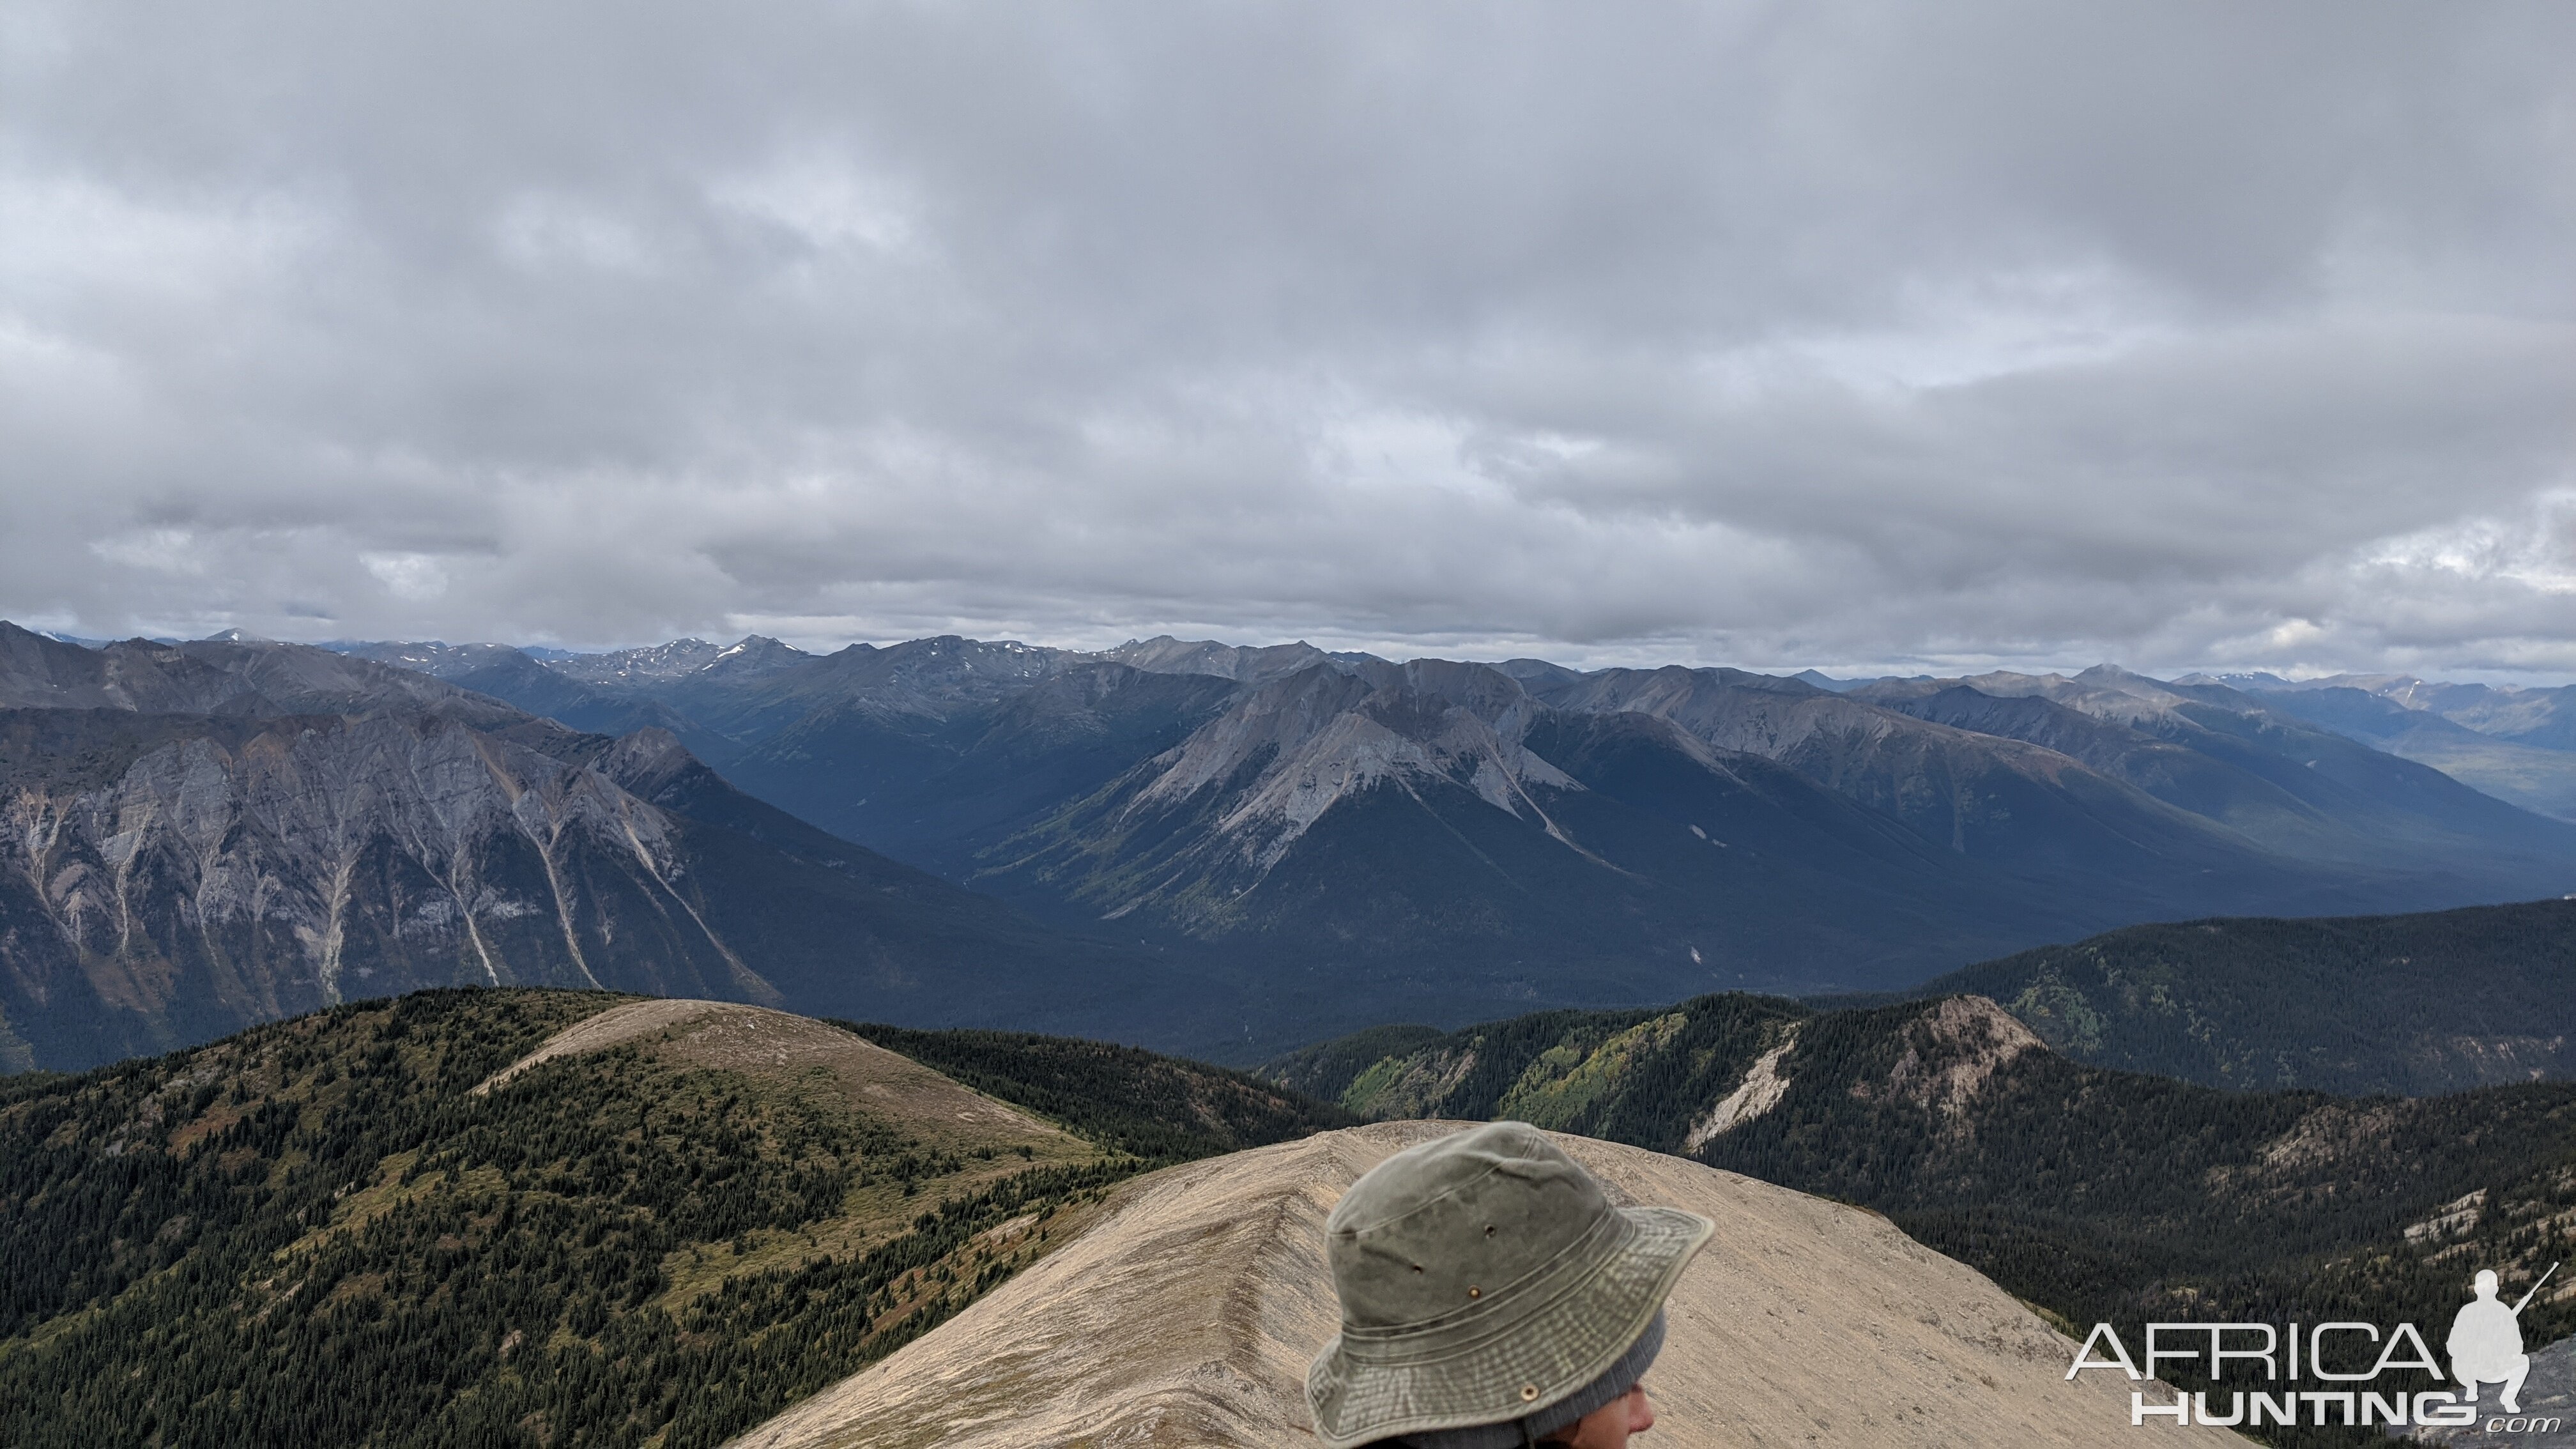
{"points": [[1548, 1352]]}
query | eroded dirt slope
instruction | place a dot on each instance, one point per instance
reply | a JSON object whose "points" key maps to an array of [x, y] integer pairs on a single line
{"points": [[1186, 1317]]}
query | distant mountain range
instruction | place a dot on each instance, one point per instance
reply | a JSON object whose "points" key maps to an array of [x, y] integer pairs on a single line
{"points": [[212, 834], [1285, 843], [1439, 838], [2515, 744]]}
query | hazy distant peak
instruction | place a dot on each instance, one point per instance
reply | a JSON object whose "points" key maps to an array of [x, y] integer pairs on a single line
{"points": [[2127, 681], [948, 654], [2105, 691], [1481, 688], [1880, 691], [1314, 738], [753, 656], [1539, 672], [2008, 683], [2254, 681], [244, 676], [760, 646], [39, 672], [306, 677], [1246, 664], [428, 656], [651, 664], [2367, 683]]}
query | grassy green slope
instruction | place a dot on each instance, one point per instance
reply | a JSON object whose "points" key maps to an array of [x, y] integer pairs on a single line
{"points": [[314, 1233]]}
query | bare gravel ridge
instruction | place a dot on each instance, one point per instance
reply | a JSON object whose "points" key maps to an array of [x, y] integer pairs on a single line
{"points": [[729, 1035], [1187, 1314]]}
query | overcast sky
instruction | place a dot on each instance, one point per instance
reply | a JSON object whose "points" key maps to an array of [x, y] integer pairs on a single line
{"points": [[1877, 336]]}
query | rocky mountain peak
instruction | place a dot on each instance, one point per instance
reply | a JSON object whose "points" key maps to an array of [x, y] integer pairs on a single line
{"points": [[303, 677], [759, 652], [929, 674], [645, 761], [1951, 1051], [293, 856], [1245, 664], [652, 664], [1295, 747], [37, 672]]}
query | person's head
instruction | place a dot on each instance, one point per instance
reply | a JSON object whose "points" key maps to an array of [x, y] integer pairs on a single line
{"points": [[1493, 1298], [1609, 1426], [2486, 1283]]}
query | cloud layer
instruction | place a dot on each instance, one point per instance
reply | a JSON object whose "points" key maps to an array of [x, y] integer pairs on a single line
{"points": [[1781, 334]]}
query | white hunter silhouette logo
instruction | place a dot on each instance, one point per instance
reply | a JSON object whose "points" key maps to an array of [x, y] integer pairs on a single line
{"points": [[2485, 1347], [2486, 1342]]}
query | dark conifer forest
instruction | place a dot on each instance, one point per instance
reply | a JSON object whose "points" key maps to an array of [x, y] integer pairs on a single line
{"points": [[1159, 1108], [316, 1233]]}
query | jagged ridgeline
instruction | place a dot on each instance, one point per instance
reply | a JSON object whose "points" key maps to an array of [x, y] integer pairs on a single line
{"points": [[402, 1223], [2099, 1195], [205, 836], [1362, 840]]}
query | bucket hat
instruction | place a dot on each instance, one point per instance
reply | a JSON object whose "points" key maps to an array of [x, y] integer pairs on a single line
{"points": [[1484, 1278]]}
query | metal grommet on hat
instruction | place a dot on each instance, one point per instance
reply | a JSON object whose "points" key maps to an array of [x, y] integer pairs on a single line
{"points": [[1486, 1279]]}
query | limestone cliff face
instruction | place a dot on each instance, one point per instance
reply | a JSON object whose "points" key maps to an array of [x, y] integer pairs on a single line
{"points": [[1276, 762], [200, 837], [1190, 832], [271, 867]]}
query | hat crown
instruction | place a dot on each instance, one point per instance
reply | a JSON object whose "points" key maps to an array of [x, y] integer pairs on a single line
{"points": [[1449, 1228]]}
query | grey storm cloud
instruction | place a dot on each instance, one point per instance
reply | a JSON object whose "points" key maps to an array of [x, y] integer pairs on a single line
{"points": [[1781, 334]]}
